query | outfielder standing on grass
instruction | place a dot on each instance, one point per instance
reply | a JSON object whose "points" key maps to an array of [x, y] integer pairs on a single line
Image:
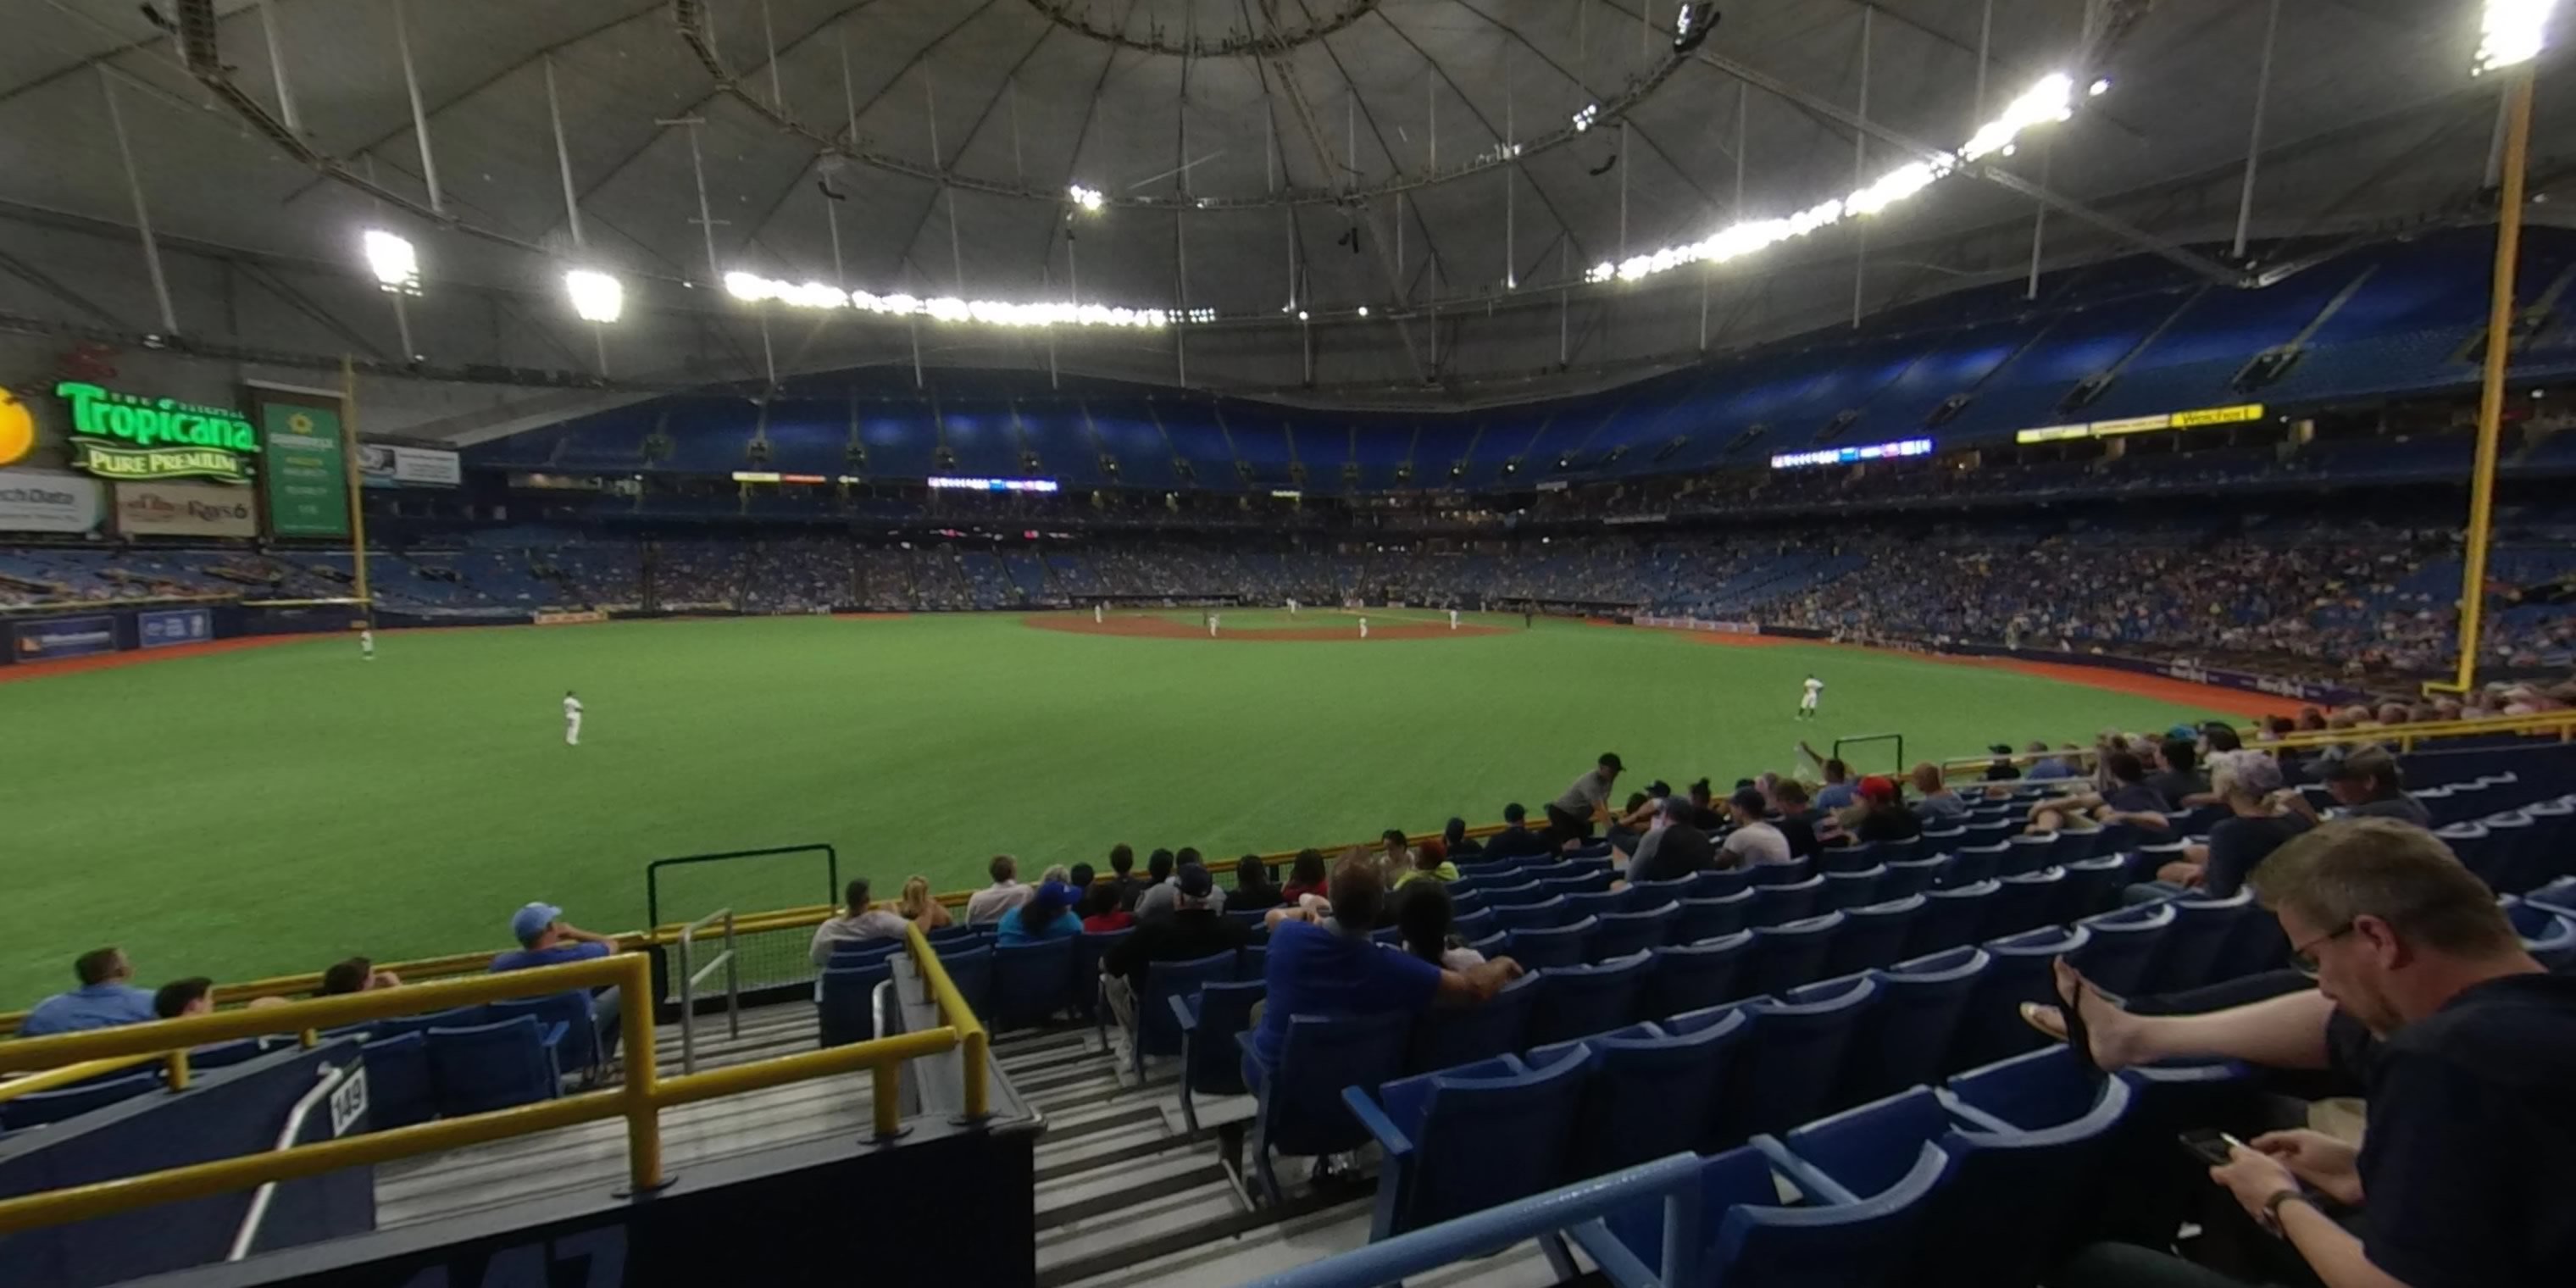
{"points": [[1363, 628], [1453, 619], [572, 719], [1807, 696]]}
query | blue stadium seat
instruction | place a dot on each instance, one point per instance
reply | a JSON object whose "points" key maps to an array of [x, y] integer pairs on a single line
{"points": [[845, 997], [1650, 1092], [1974, 864], [864, 954], [960, 934], [1907, 850], [1597, 903], [1778, 905], [1301, 1111], [2078, 843], [1544, 949], [37, 1108], [460, 1017], [1952, 918], [2025, 901], [971, 970], [1934, 841], [1088, 948], [2020, 973], [1579, 1000], [1911, 1035], [1789, 955], [1718, 883], [1915, 876], [1544, 914], [1515, 896], [224, 1055], [1792, 1066], [1156, 1034], [1852, 889], [1689, 977], [1453, 1035], [2030, 852], [1859, 856], [2121, 954], [2256, 945], [581, 1048], [1210, 1020], [1032, 982], [1750, 1241], [2197, 947], [494, 1066], [1711, 917], [1589, 880], [400, 1091], [1655, 894], [2547, 935], [1472, 926], [1462, 1140], [2091, 885], [1782, 874], [1873, 935], [1622, 933]]}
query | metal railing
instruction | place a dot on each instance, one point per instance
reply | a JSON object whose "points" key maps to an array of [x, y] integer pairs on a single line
{"points": [[691, 975], [2404, 736], [332, 1076], [1674, 1181], [639, 1101]]}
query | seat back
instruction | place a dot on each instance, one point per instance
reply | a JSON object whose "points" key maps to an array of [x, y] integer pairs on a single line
{"points": [[1651, 1092], [1512, 896], [1580, 1000], [1157, 1032], [1088, 948], [971, 970], [845, 995], [580, 1048], [1873, 935], [1597, 903], [492, 1066], [1952, 918], [1718, 883], [400, 1091], [1447, 1036], [1790, 1072], [959, 935], [226, 1054], [1301, 1100], [1852, 889], [1786, 956], [1587, 879], [2196, 948], [1221, 1011], [1780, 874], [1542, 948], [1908, 1039], [1618, 934], [1688, 977], [1749, 1241], [1032, 981], [1481, 1137], [1780, 904], [1472, 926], [1544, 914], [1915, 876], [2021, 973], [1714, 916], [37, 1108], [2091, 885], [1859, 856], [876, 951], [2024, 901], [2121, 954], [1970, 864]]}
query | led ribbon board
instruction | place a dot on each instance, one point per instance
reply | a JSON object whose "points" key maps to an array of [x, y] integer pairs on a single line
{"points": [[134, 438], [2143, 424], [1853, 455], [995, 485]]}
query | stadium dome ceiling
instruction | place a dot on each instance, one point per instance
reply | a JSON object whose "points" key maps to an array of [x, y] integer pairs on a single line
{"points": [[1416, 158]]}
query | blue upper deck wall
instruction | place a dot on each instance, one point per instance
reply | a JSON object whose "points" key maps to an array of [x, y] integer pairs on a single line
{"points": [[2389, 319]]}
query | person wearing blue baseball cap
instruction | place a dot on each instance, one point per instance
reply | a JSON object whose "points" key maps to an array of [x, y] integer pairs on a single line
{"points": [[546, 939]]}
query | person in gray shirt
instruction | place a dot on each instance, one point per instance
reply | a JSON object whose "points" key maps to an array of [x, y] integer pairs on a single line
{"points": [[2368, 784], [1569, 817]]}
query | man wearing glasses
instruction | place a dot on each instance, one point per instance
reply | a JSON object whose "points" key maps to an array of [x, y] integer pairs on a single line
{"points": [[2467, 1170]]}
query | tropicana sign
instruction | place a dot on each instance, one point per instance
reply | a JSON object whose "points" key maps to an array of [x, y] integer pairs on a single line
{"points": [[132, 438]]}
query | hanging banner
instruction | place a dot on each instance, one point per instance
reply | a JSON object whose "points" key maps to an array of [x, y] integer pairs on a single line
{"points": [[304, 476], [384, 465], [120, 435], [44, 501], [185, 510]]}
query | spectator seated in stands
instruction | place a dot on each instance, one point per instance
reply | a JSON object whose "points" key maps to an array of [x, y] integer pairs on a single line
{"points": [[1881, 814], [1430, 863], [1838, 791], [1938, 806], [1253, 887], [1100, 911], [2128, 800], [2466, 1050], [105, 999], [2002, 769], [1516, 840], [546, 939], [192, 996], [1046, 914], [859, 923], [1570, 817], [1331, 967], [1163, 896], [1158, 872], [987, 905], [2369, 784], [2249, 782], [1305, 877], [1674, 847], [1754, 840], [1791, 812], [1082, 878], [1395, 854], [1122, 875], [2061, 765], [1192, 929], [2178, 779], [1426, 918], [356, 975], [1453, 838], [917, 906], [1704, 813]]}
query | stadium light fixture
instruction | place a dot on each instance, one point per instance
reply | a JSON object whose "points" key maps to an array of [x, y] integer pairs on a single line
{"points": [[2049, 101], [1088, 200], [1691, 25], [2098, 88], [393, 260], [752, 288], [596, 296], [2510, 33]]}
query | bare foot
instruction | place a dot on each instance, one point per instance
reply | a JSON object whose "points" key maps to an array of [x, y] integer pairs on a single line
{"points": [[2113, 1032]]}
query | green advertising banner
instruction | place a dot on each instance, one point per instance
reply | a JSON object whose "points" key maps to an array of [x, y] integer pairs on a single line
{"points": [[302, 471]]}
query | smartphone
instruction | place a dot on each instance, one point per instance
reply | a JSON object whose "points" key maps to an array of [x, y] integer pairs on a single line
{"points": [[2213, 1148]]}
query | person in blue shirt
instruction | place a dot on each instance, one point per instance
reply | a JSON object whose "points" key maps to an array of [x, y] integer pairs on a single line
{"points": [[104, 1000], [1048, 914], [1331, 967], [546, 939]]}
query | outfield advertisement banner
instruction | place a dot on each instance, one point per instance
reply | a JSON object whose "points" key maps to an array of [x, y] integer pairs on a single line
{"points": [[383, 465], [185, 510], [303, 474], [2316, 691], [62, 637], [44, 501], [569, 618], [1701, 624], [163, 628]]}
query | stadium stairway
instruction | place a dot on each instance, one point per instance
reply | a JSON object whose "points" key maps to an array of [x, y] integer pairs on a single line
{"points": [[1127, 1196]]}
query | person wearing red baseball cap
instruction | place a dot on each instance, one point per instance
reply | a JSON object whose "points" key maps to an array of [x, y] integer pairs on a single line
{"points": [[1883, 816]]}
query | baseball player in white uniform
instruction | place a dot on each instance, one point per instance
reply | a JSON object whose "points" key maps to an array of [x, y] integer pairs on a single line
{"points": [[572, 719], [1363, 628], [1453, 619], [1807, 698], [367, 643]]}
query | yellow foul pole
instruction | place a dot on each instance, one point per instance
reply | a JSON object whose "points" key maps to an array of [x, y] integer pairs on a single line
{"points": [[2473, 576], [350, 474]]}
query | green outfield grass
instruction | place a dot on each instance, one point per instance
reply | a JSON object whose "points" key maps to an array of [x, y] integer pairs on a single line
{"points": [[273, 809]]}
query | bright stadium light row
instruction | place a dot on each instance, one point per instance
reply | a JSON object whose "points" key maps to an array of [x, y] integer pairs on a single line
{"points": [[2511, 32], [753, 288]]}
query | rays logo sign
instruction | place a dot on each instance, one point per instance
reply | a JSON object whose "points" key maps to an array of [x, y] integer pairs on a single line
{"points": [[132, 438]]}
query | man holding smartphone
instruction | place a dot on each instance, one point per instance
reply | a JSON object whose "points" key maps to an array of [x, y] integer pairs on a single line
{"points": [[2467, 1172]]}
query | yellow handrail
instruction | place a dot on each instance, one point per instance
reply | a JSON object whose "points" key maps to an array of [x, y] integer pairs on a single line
{"points": [[640, 1101], [961, 1017], [69, 1074], [2562, 723]]}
